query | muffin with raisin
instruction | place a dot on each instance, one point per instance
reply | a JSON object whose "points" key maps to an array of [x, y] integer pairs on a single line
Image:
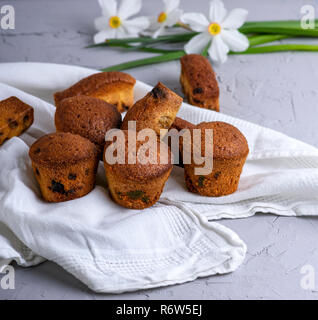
{"points": [[15, 117], [229, 149], [114, 87], [157, 110], [88, 117], [64, 165], [137, 183]]}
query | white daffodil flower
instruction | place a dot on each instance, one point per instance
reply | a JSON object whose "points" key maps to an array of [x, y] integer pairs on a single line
{"points": [[115, 23], [221, 31], [167, 18]]}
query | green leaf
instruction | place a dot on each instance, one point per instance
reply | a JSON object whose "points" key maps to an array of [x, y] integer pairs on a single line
{"points": [[265, 38], [279, 48], [143, 62], [180, 37], [289, 27], [206, 49]]}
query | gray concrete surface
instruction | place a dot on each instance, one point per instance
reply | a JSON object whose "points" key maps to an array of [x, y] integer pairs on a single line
{"points": [[279, 91]]}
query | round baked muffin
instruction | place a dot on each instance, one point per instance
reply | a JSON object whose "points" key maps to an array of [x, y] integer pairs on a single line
{"points": [[88, 117], [230, 150], [138, 185], [114, 87], [64, 165]]}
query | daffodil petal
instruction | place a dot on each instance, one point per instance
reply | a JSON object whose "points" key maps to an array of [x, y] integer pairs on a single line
{"points": [[154, 24], [171, 5], [235, 19], [198, 43], [235, 40], [101, 23], [197, 21], [109, 7], [158, 32], [173, 17], [121, 33], [136, 25], [217, 11], [101, 36], [218, 50], [129, 8]]}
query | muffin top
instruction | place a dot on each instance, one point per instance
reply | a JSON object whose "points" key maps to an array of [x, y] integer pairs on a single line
{"points": [[89, 117], [61, 149], [94, 82], [142, 170], [200, 75], [11, 108], [228, 141]]}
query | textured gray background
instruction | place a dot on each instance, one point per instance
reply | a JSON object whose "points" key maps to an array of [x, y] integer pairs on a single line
{"points": [[275, 90]]}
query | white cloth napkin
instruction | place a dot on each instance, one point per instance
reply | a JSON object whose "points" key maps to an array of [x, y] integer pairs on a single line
{"points": [[109, 248], [280, 176]]}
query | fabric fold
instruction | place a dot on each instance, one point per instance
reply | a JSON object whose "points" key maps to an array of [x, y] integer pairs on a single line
{"points": [[112, 249]]}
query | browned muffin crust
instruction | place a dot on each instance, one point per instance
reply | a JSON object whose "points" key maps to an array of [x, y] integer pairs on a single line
{"points": [[140, 171], [64, 165], [88, 117], [139, 185], [157, 110], [199, 82], [228, 141], [15, 117], [230, 150], [113, 87], [61, 149]]}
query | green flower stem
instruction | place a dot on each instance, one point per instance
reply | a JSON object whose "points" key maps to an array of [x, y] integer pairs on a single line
{"points": [[279, 48], [182, 37], [265, 38], [140, 48], [143, 62], [292, 27]]}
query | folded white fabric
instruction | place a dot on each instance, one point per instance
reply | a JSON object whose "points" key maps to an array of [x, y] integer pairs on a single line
{"points": [[109, 248], [280, 176]]}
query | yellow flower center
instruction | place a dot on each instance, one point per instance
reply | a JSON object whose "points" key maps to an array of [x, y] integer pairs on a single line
{"points": [[114, 22], [214, 28], [162, 17]]}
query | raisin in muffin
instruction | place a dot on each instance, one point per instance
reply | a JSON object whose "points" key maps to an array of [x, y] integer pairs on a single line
{"points": [[64, 165], [230, 150], [157, 110], [88, 117], [15, 117], [114, 87], [199, 82], [139, 185]]}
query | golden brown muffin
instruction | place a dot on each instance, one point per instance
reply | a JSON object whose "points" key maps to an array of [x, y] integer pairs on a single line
{"points": [[230, 150], [88, 117], [139, 185], [64, 165], [157, 110], [114, 87], [15, 117], [198, 82]]}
